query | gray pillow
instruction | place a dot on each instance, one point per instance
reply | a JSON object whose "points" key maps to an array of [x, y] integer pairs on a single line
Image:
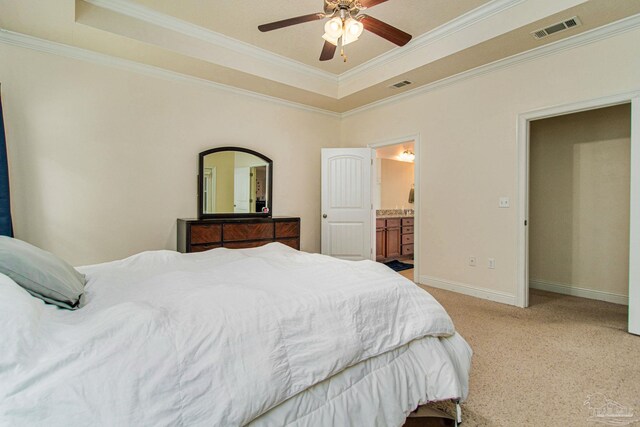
{"points": [[41, 273]]}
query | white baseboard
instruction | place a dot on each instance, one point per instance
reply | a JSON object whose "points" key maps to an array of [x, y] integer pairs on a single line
{"points": [[466, 289], [563, 288]]}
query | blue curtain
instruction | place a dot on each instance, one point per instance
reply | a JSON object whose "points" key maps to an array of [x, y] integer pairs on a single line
{"points": [[6, 227]]}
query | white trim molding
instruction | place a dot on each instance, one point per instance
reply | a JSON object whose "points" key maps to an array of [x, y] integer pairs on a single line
{"points": [[30, 42], [565, 289], [588, 37], [466, 289], [634, 226], [47, 46], [463, 21], [145, 14]]}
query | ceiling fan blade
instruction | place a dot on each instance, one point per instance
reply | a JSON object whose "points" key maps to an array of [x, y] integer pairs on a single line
{"points": [[291, 21], [385, 30], [370, 3], [328, 50]]}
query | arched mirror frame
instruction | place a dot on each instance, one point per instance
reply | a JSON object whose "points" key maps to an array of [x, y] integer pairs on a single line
{"points": [[203, 215]]}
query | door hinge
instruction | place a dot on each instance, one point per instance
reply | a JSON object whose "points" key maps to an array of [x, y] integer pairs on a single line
{"points": [[371, 162], [525, 222], [371, 206]]}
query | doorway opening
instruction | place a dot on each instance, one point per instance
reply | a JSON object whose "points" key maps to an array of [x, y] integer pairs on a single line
{"points": [[394, 198], [579, 204], [579, 217]]}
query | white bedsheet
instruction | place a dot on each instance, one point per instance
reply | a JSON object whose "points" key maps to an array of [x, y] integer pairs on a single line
{"points": [[215, 338]]}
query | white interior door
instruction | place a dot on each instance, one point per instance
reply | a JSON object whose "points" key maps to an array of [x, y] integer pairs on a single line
{"points": [[347, 210], [241, 187]]}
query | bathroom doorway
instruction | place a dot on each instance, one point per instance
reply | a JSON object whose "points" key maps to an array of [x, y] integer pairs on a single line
{"points": [[394, 199]]}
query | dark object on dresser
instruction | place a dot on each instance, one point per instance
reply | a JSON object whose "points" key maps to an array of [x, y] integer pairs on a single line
{"points": [[201, 235]]}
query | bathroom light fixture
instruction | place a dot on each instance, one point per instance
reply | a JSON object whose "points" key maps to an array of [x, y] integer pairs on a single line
{"points": [[407, 156]]}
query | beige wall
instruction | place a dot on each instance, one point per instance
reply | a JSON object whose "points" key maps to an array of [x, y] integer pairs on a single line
{"points": [[579, 200], [396, 181], [469, 157], [102, 161]]}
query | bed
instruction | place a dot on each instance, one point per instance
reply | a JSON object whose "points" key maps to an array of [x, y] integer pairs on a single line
{"points": [[268, 336]]}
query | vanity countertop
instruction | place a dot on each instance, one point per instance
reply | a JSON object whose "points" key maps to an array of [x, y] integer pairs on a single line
{"points": [[394, 213]]}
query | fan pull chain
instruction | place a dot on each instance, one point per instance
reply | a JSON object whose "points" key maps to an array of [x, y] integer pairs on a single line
{"points": [[342, 50]]}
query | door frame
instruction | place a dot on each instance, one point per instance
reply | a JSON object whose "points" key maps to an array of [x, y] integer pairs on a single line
{"points": [[416, 195], [523, 127]]}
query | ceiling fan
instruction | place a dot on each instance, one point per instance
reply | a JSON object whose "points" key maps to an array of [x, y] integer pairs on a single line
{"points": [[344, 26]]}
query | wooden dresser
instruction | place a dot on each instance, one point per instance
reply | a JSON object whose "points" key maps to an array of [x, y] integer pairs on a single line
{"points": [[394, 238], [197, 235]]}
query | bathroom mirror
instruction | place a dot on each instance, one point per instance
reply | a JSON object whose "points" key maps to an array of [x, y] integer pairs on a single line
{"points": [[234, 182]]}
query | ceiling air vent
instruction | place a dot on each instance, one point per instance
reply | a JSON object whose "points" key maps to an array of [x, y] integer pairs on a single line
{"points": [[401, 84], [556, 28]]}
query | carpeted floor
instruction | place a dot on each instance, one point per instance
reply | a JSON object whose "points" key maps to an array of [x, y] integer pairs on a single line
{"points": [[538, 366]]}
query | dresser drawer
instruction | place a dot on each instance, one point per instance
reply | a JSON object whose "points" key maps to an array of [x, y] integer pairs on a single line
{"points": [[407, 249], [407, 230], [209, 233], [197, 235], [287, 229], [294, 243], [407, 221], [407, 238], [393, 223], [234, 232]]}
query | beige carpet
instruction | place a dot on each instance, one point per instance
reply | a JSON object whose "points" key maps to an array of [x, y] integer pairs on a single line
{"points": [[537, 366]]}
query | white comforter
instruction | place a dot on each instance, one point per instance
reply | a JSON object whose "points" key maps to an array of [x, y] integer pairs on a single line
{"points": [[215, 338]]}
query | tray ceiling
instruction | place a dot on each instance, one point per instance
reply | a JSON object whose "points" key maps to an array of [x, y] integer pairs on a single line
{"points": [[217, 42], [240, 19]]}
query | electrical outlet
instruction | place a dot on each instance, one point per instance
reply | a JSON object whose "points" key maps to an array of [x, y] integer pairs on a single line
{"points": [[503, 202], [492, 263], [472, 261]]}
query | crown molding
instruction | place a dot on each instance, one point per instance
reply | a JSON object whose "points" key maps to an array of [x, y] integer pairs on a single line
{"points": [[145, 14], [151, 16], [461, 22], [618, 27], [25, 41], [588, 37]]}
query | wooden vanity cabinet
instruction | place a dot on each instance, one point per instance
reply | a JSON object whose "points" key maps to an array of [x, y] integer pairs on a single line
{"points": [[394, 238], [236, 233], [380, 240]]}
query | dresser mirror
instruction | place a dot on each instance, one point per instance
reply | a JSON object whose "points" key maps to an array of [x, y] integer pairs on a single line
{"points": [[234, 182]]}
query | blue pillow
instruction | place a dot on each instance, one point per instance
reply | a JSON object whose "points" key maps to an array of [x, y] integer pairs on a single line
{"points": [[41, 273]]}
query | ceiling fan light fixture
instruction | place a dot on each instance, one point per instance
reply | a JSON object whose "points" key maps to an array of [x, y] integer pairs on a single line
{"points": [[353, 27], [333, 27], [332, 40], [348, 38]]}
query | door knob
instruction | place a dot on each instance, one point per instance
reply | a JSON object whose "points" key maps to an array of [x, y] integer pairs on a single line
{"points": [[324, 215]]}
